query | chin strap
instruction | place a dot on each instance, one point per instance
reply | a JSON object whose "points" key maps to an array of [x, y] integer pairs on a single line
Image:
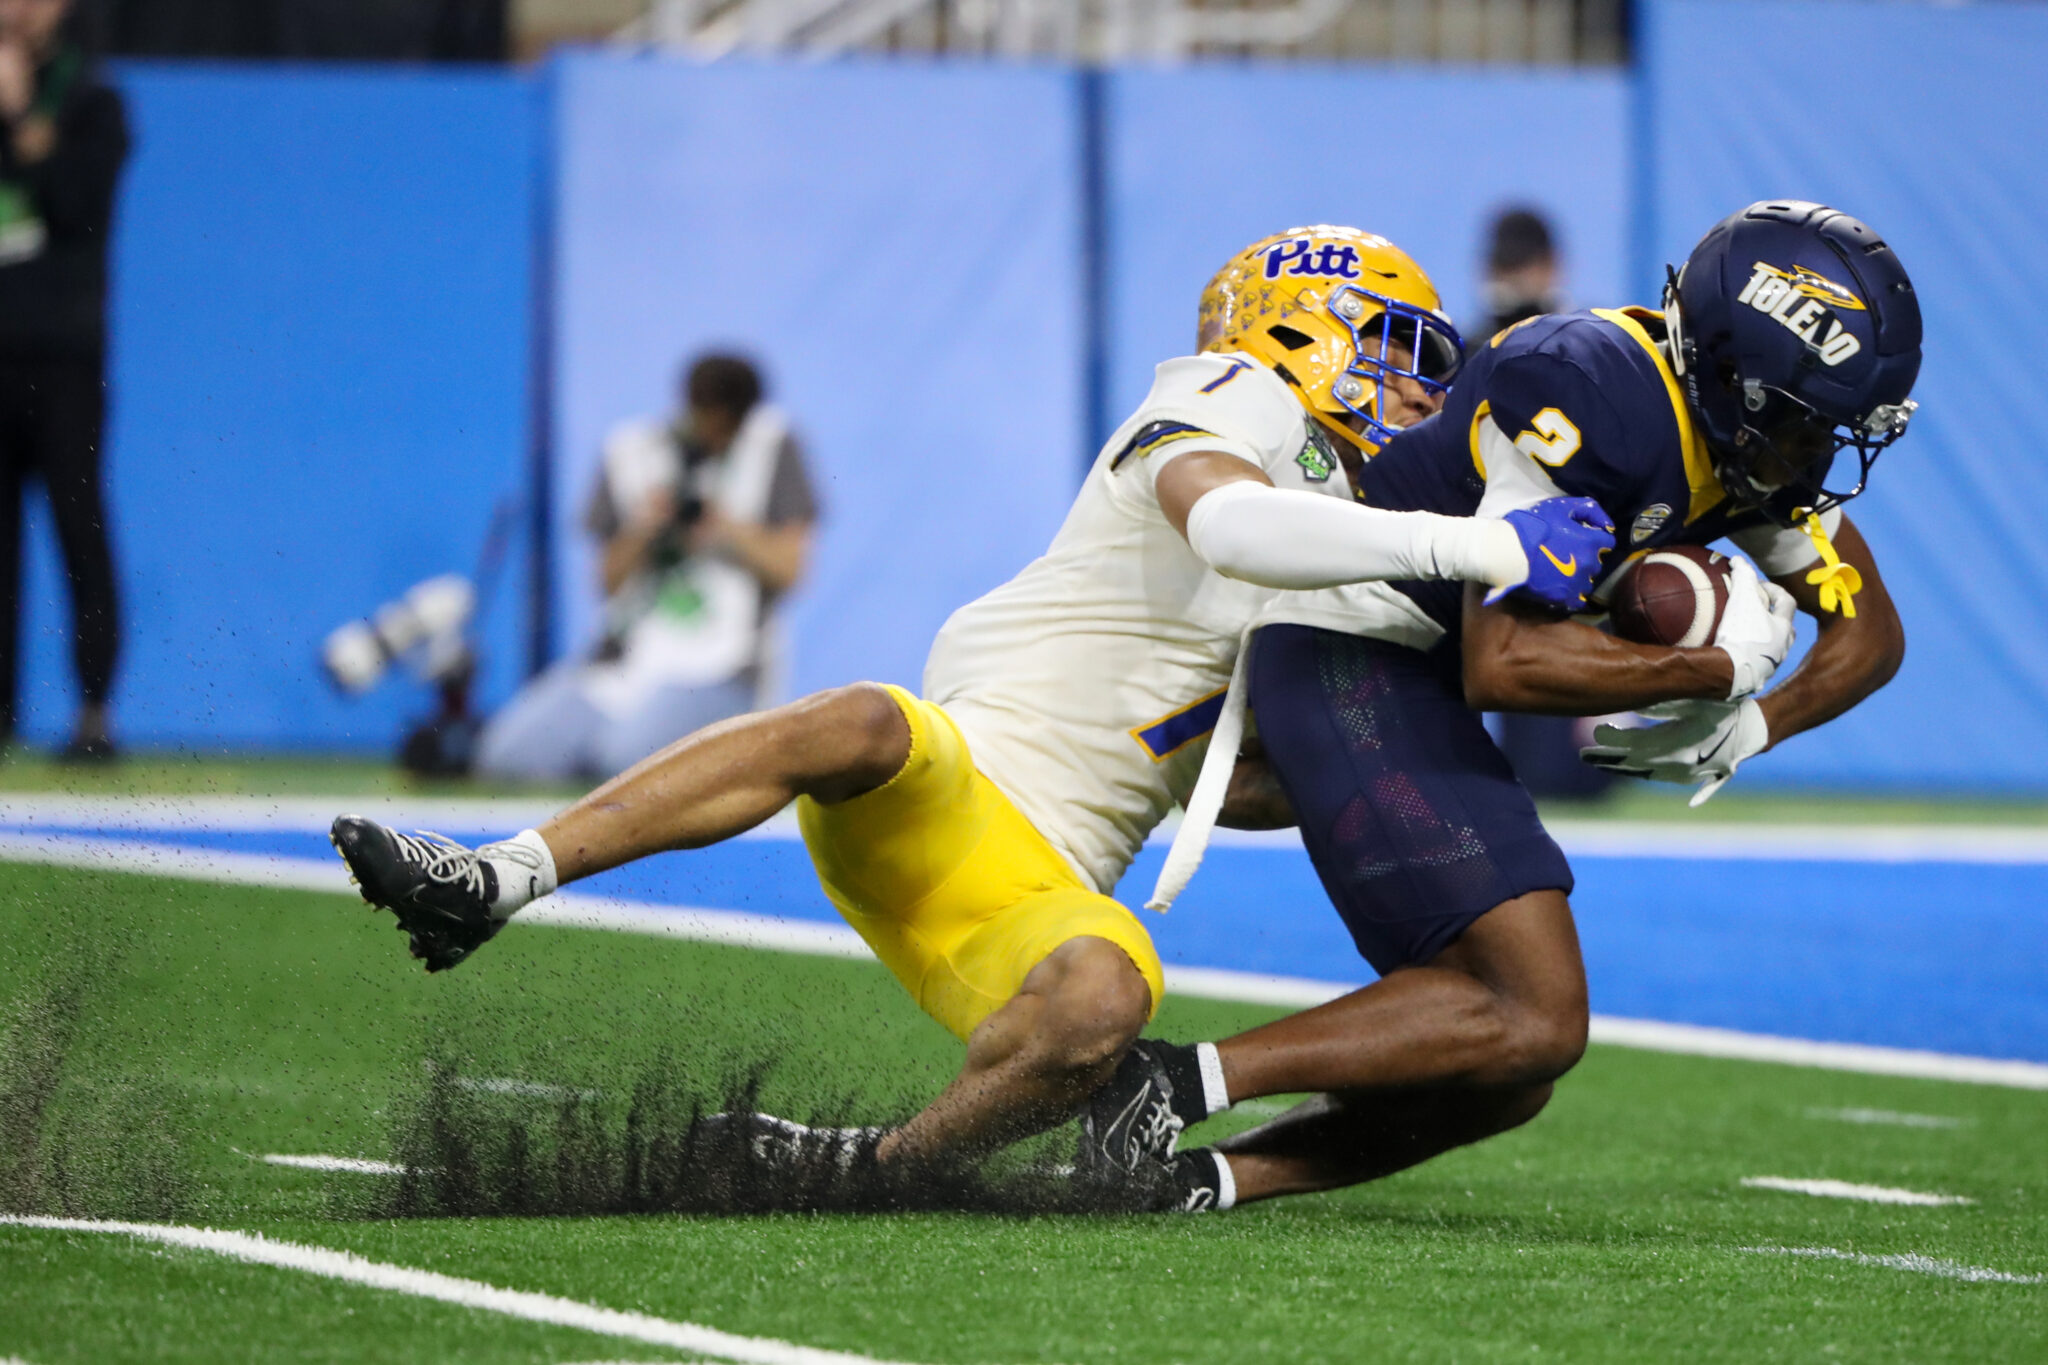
{"points": [[1838, 582]]}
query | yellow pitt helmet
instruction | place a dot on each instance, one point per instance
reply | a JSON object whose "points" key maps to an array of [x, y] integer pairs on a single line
{"points": [[1325, 309]]}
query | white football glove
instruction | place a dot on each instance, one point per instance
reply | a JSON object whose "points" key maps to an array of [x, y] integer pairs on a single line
{"points": [[1698, 741], [1756, 628]]}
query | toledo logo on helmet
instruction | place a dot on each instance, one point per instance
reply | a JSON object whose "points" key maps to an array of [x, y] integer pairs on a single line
{"points": [[1330, 259], [1799, 299]]}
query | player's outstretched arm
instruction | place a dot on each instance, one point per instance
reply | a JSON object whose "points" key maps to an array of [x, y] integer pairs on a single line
{"points": [[1519, 658], [1853, 656], [1244, 528]]}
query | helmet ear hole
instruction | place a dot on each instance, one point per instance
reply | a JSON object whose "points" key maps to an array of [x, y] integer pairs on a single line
{"points": [[1290, 338]]}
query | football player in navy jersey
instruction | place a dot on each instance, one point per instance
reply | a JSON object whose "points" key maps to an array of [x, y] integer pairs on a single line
{"points": [[1791, 335]]}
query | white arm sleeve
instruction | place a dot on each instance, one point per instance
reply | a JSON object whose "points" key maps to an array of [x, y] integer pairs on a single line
{"points": [[1279, 538], [1781, 550]]}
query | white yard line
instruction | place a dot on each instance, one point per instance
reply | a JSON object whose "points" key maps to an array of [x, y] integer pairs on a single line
{"points": [[1843, 1189], [702, 925], [1694, 841], [1254, 988], [530, 1090], [1922, 1265], [1744, 841], [570, 911], [176, 861], [1888, 1117], [1696, 1040], [427, 1284], [291, 814], [354, 1165]]}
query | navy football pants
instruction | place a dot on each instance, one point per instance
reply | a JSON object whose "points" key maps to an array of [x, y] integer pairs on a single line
{"points": [[1411, 815]]}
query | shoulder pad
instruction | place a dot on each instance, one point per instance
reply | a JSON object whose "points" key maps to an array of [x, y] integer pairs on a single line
{"points": [[1228, 376], [1555, 413], [1232, 396]]}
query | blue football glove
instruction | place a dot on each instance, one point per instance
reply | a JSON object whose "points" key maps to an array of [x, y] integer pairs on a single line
{"points": [[1564, 540]]}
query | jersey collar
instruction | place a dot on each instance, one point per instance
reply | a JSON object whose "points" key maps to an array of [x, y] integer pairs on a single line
{"points": [[1706, 490]]}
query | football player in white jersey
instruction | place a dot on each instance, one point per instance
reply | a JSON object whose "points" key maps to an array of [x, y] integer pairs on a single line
{"points": [[973, 836]]}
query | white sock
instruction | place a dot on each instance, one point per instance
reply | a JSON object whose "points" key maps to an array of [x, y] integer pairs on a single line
{"points": [[1226, 1183], [525, 868], [1214, 1092]]}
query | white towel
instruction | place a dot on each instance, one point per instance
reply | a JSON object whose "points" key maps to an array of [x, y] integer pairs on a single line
{"points": [[1205, 803]]}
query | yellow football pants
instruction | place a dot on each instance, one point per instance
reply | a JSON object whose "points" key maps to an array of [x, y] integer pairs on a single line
{"points": [[952, 887]]}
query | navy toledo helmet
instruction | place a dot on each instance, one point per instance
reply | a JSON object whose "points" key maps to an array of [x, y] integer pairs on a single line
{"points": [[1797, 334]]}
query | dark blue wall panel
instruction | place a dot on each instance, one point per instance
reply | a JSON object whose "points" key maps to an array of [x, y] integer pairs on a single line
{"points": [[897, 243], [320, 387], [1930, 128]]}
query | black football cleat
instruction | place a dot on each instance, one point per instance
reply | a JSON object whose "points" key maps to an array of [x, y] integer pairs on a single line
{"points": [[1196, 1183], [783, 1145], [440, 891], [1136, 1118]]}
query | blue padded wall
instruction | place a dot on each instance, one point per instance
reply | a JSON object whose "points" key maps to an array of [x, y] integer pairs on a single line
{"points": [[1204, 160], [896, 242], [319, 378], [1929, 125]]}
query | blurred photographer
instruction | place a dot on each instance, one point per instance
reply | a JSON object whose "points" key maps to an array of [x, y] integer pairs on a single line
{"points": [[705, 521], [1523, 277], [63, 138]]}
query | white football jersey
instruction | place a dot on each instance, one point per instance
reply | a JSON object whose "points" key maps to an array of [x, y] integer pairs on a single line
{"points": [[1087, 685]]}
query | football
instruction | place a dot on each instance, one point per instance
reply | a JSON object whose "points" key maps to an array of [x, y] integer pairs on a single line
{"points": [[1671, 597]]}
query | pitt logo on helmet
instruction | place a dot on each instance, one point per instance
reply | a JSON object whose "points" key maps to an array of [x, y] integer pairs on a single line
{"points": [[1302, 256], [1803, 301]]}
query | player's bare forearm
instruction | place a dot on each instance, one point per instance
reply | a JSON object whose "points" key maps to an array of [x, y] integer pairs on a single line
{"points": [[1521, 659], [1852, 658], [1254, 799]]}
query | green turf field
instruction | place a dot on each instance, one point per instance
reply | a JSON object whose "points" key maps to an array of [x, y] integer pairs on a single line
{"points": [[217, 1024]]}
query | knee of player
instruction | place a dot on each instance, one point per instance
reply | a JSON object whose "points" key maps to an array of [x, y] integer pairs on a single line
{"points": [[1548, 1038], [859, 726], [1099, 1005]]}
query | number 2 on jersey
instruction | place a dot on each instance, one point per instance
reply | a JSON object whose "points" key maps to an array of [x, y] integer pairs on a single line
{"points": [[1551, 438]]}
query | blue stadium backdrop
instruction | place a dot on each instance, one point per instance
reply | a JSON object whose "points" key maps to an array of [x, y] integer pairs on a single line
{"points": [[1203, 160], [1932, 131], [324, 299], [320, 389], [897, 243]]}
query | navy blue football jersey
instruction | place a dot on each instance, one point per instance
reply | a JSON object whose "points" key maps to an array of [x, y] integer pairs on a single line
{"points": [[1588, 396]]}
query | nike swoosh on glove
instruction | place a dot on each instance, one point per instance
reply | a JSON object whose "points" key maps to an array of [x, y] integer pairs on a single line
{"points": [[1698, 741], [1563, 540], [1756, 628]]}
